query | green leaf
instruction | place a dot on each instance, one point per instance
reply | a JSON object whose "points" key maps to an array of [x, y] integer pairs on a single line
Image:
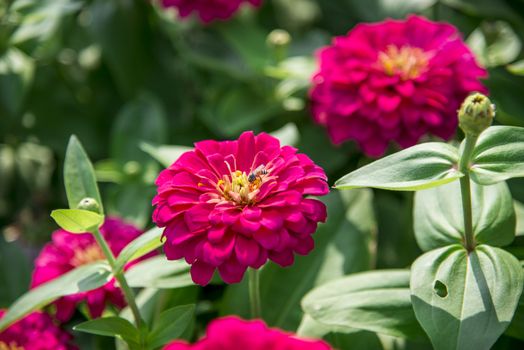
{"points": [[171, 325], [456, 294], [422, 166], [111, 327], [14, 281], [517, 324], [77, 220], [79, 175], [81, 279], [439, 220], [158, 272], [498, 155], [16, 77], [288, 134], [165, 155], [377, 301], [344, 244], [517, 68], [140, 246], [494, 44]]}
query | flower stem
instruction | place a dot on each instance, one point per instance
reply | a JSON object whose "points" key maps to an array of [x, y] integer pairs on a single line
{"points": [[254, 293], [465, 190], [119, 276]]}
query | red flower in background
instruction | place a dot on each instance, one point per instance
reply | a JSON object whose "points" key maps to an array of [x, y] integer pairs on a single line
{"points": [[209, 10], [233, 204], [393, 81], [67, 251], [35, 332], [232, 333]]}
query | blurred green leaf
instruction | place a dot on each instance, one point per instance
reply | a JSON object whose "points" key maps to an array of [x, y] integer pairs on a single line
{"points": [[517, 323], [422, 166], [16, 77], [498, 155], [517, 68], [165, 155], [112, 25], [439, 221], [140, 246], [377, 301], [81, 279], [14, 281], [494, 44], [288, 134], [455, 293], [79, 175], [77, 220], [171, 325], [39, 23], [112, 327], [158, 272]]}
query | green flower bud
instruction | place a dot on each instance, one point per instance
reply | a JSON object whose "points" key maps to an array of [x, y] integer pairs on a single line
{"points": [[476, 114], [89, 204]]}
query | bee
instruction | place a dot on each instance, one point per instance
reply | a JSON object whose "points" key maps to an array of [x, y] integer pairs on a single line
{"points": [[257, 174]]}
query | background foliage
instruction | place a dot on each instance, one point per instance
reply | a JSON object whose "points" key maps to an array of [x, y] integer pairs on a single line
{"points": [[126, 76]]}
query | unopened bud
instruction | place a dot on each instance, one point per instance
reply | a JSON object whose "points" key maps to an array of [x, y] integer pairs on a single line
{"points": [[476, 114], [89, 204]]}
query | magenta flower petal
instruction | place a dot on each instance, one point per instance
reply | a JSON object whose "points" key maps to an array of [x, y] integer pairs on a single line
{"points": [[393, 81], [231, 333], [67, 251], [37, 331], [209, 10], [248, 205]]}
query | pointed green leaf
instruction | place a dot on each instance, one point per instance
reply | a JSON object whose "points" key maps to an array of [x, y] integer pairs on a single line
{"points": [[81, 279], [79, 175], [111, 327], [158, 272], [377, 301], [498, 155], [140, 246], [170, 325], [422, 166], [438, 217], [465, 301], [77, 220]]}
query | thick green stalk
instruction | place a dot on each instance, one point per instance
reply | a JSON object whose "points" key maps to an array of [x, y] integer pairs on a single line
{"points": [[119, 276], [465, 189], [254, 293]]}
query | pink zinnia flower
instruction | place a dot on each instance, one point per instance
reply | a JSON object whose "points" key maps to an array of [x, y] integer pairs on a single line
{"points": [[209, 10], [393, 81], [232, 333], [35, 332], [67, 251], [233, 204]]}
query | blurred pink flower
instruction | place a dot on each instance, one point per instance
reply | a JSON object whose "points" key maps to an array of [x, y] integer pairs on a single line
{"points": [[208, 10], [393, 81], [233, 204], [232, 333], [35, 332], [67, 251]]}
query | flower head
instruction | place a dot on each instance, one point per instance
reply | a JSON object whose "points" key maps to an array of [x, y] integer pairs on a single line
{"points": [[67, 251], [393, 81], [233, 204], [231, 333], [208, 10], [35, 332]]}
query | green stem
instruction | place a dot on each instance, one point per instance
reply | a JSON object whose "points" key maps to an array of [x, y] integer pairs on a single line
{"points": [[465, 190], [254, 293], [119, 276]]}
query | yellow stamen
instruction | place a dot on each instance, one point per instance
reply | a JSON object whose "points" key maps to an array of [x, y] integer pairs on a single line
{"points": [[409, 62]]}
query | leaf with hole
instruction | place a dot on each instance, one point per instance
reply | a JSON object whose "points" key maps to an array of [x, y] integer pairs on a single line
{"points": [[455, 294]]}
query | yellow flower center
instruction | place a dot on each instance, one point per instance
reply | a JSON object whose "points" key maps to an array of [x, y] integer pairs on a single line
{"points": [[408, 62], [85, 256], [240, 187], [11, 346]]}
